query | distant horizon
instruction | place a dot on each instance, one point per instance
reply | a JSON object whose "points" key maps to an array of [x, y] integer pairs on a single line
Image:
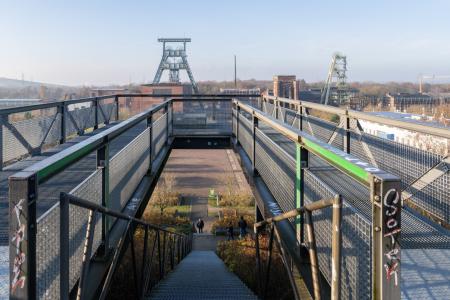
{"points": [[102, 42], [200, 81]]}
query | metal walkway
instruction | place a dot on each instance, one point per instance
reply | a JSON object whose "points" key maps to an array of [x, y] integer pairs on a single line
{"points": [[201, 275]]}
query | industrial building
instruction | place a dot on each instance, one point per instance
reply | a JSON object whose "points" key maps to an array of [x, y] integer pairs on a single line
{"points": [[286, 86]]}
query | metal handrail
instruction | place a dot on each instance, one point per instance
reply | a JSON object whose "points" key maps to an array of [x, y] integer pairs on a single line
{"points": [[347, 163], [440, 132], [336, 204], [171, 239]]}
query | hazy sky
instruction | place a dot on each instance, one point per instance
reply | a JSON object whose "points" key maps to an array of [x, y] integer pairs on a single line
{"points": [[103, 42]]}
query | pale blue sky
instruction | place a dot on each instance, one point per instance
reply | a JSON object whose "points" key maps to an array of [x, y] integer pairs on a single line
{"points": [[103, 42]]}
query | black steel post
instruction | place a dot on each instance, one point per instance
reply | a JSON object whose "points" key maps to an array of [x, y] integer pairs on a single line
{"points": [[347, 136], [269, 260], [22, 235], [238, 117], [86, 254], [116, 101], [62, 111], [95, 102], [255, 126], [63, 247], [150, 126], [2, 117], [103, 164]]}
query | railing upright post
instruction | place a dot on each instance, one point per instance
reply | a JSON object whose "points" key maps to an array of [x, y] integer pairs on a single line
{"points": [[103, 164], [167, 123], [238, 117], [347, 135], [2, 117], [300, 111], [62, 111], [86, 254], [301, 164], [96, 113], [336, 248], [258, 262], [255, 126], [386, 227], [150, 126], [63, 247], [116, 102], [313, 255], [22, 235]]}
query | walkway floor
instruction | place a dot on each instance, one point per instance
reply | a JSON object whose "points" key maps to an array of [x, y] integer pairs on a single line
{"points": [[201, 275]]}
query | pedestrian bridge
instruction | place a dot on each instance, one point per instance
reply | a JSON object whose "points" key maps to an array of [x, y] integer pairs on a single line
{"points": [[354, 215]]}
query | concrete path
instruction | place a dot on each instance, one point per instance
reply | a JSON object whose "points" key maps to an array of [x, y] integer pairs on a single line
{"points": [[201, 275]]}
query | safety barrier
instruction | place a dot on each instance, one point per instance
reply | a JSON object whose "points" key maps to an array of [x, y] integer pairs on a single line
{"points": [[289, 161]]}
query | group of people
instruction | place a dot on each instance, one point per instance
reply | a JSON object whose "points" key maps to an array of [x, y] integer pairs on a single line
{"points": [[242, 229], [230, 229]]}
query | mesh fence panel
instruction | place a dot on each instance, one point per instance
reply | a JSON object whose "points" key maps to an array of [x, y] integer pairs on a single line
{"points": [[127, 169], [200, 117], [47, 255], [34, 131], [90, 190], [356, 237], [159, 133], [277, 169], [80, 117], [245, 134], [106, 111]]}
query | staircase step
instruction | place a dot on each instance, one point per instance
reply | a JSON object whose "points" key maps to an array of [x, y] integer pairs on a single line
{"points": [[201, 275]]}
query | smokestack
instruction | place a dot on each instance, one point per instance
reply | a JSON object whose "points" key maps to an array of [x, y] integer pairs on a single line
{"points": [[235, 80]]}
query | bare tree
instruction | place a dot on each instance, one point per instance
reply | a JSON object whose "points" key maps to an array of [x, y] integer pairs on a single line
{"points": [[165, 195]]}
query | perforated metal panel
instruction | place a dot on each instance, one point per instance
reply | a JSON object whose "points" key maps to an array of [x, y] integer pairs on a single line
{"points": [[203, 117], [90, 189], [47, 254], [80, 117], [127, 168], [108, 107], [159, 134], [277, 169], [356, 237], [20, 137], [245, 134]]}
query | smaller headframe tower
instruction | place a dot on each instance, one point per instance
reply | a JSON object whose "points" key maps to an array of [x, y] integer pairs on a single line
{"points": [[336, 75], [174, 59]]}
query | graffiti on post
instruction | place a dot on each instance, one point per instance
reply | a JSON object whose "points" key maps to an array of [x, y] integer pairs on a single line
{"points": [[391, 219], [18, 275]]}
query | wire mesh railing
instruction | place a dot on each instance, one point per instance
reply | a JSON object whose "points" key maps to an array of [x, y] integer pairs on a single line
{"points": [[162, 250], [417, 153], [104, 169], [295, 167]]}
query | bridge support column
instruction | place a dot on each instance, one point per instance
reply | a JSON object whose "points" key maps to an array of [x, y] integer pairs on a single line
{"points": [[22, 235], [386, 227], [301, 163]]}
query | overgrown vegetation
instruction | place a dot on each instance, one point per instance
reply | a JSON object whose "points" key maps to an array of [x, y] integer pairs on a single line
{"points": [[232, 216], [240, 257], [233, 196]]}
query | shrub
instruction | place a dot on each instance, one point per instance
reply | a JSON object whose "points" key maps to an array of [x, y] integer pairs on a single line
{"points": [[232, 215], [240, 257]]}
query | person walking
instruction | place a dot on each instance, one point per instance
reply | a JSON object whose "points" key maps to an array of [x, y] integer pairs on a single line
{"points": [[242, 227], [200, 225], [230, 231]]}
